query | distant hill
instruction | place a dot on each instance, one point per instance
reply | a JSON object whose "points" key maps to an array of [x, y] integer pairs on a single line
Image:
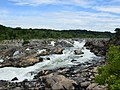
{"points": [[19, 33]]}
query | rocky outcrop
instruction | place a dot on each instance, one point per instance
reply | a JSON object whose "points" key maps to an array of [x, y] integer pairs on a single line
{"points": [[98, 47], [59, 82], [20, 62]]}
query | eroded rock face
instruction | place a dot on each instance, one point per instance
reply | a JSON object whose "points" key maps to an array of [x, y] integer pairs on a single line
{"points": [[97, 46]]}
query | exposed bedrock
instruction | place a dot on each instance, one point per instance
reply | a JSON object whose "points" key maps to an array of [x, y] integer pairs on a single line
{"points": [[98, 47]]}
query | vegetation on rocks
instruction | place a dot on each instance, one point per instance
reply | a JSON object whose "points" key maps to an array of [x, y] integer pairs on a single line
{"points": [[110, 73]]}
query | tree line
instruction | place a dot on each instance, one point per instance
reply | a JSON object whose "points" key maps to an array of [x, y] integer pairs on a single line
{"points": [[19, 33]]}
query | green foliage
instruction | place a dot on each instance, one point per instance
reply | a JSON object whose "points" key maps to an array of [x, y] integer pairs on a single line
{"points": [[110, 73], [19, 33], [117, 30], [116, 85]]}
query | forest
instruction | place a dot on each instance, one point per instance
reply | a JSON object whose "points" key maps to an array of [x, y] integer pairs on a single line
{"points": [[19, 33]]}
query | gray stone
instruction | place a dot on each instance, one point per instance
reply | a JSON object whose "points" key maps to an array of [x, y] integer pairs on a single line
{"points": [[91, 86], [59, 82], [100, 87], [17, 88], [78, 52], [85, 84], [58, 50]]}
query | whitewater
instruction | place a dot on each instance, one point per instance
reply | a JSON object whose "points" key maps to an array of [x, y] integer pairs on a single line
{"points": [[56, 61]]}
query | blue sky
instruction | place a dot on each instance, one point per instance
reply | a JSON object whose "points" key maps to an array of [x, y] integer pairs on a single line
{"points": [[95, 15]]}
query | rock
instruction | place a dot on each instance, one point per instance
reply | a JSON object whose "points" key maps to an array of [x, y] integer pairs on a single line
{"points": [[43, 53], [98, 47], [48, 58], [58, 50], [95, 69], [59, 82], [58, 86], [17, 88], [85, 84], [73, 60], [91, 86], [10, 52], [50, 81], [14, 79], [64, 43], [16, 53], [78, 52], [40, 59], [32, 60], [100, 87]]}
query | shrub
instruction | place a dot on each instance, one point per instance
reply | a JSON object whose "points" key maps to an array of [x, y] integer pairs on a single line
{"points": [[110, 74]]}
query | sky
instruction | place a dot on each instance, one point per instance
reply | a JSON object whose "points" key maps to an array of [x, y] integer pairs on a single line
{"points": [[95, 15]]}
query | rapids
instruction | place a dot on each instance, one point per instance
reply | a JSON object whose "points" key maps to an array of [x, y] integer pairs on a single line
{"points": [[56, 61]]}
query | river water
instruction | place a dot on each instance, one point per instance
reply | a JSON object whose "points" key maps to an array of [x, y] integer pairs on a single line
{"points": [[56, 61]]}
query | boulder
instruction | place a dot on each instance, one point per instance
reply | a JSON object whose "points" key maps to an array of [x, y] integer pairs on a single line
{"points": [[14, 79], [57, 82], [58, 50], [40, 59], [100, 87], [85, 84], [91, 86], [95, 69], [78, 52], [73, 60], [48, 58], [32, 60]]}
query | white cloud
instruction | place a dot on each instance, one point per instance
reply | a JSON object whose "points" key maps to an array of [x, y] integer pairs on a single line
{"points": [[109, 9], [101, 21], [83, 3], [66, 20], [37, 2], [111, 6]]}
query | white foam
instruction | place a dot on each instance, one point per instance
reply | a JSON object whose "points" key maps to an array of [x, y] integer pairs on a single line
{"points": [[27, 49], [16, 53], [8, 73], [1, 60], [53, 43], [40, 51]]}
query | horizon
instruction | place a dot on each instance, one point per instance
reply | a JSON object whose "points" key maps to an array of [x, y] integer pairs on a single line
{"points": [[102, 16], [60, 29]]}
